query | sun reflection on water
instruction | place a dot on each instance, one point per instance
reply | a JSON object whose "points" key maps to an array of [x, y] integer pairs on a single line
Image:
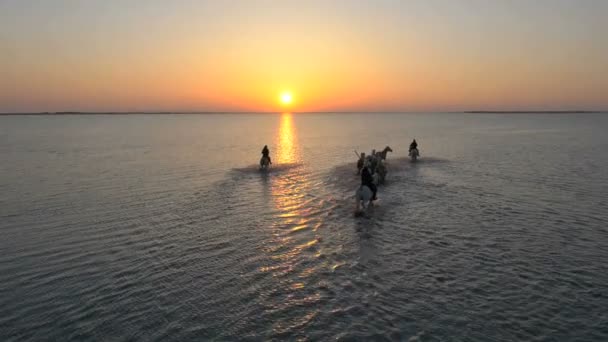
{"points": [[292, 244], [288, 189], [287, 151]]}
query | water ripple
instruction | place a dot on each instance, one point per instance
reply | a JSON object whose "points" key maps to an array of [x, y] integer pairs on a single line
{"points": [[138, 237]]}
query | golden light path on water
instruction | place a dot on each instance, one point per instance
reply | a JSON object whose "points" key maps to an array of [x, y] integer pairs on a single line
{"points": [[287, 151], [288, 189], [292, 242]]}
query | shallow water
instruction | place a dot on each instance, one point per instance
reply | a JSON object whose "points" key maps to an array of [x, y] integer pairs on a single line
{"points": [[161, 227]]}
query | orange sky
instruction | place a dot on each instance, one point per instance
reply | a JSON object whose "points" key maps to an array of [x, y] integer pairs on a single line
{"points": [[336, 56]]}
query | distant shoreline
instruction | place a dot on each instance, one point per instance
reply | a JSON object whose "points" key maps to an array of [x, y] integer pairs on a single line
{"points": [[336, 112], [534, 112]]}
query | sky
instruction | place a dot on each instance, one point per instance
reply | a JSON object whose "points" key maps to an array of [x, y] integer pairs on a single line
{"points": [[331, 55]]}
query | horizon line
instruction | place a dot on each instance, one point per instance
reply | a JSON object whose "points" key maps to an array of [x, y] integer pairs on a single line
{"points": [[576, 111]]}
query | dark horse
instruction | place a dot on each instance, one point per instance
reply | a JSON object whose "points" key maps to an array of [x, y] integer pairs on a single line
{"points": [[383, 153], [264, 162]]}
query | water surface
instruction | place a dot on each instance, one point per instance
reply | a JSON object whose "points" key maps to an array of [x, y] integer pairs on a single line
{"points": [[161, 227]]}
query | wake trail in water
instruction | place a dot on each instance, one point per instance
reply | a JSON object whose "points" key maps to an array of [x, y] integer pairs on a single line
{"points": [[274, 168]]}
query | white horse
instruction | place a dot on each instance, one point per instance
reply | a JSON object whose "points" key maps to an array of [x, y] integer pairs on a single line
{"points": [[363, 197], [264, 163], [414, 154]]}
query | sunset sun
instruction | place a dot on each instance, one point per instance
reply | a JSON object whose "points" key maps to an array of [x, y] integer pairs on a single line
{"points": [[286, 98]]}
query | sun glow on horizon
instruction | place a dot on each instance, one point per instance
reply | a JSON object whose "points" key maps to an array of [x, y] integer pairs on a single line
{"points": [[286, 98], [217, 56]]}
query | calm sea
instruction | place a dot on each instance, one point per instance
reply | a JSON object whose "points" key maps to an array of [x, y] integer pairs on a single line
{"points": [[161, 227]]}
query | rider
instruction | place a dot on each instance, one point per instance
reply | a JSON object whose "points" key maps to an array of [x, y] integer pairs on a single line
{"points": [[360, 162], [368, 180], [266, 153], [413, 145], [374, 161]]}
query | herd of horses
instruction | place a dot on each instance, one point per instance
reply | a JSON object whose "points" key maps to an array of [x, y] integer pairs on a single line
{"points": [[376, 162]]}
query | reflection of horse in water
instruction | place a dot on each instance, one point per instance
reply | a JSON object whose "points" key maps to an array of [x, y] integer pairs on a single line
{"points": [[264, 163], [414, 154], [382, 154]]}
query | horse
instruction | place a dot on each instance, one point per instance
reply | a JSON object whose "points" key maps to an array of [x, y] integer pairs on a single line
{"points": [[364, 195], [373, 162], [381, 171], [384, 152], [414, 154], [363, 198], [264, 163]]}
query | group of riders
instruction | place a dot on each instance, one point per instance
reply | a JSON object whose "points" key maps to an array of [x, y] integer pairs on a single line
{"points": [[367, 166]]}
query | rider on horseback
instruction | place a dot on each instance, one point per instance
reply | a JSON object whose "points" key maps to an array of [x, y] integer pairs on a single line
{"points": [[373, 161], [266, 153], [360, 162], [368, 180], [413, 145]]}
